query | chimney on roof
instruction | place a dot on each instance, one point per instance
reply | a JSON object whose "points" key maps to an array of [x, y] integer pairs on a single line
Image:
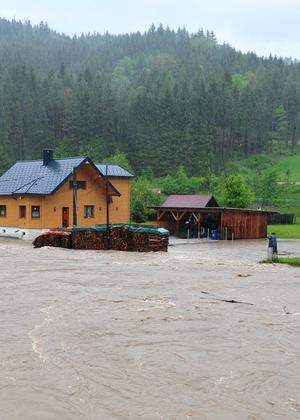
{"points": [[47, 156]]}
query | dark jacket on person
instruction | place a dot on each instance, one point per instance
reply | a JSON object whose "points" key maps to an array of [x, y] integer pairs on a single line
{"points": [[273, 243]]}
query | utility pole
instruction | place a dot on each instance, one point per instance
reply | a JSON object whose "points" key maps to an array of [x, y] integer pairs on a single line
{"points": [[74, 198], [107, 207]]}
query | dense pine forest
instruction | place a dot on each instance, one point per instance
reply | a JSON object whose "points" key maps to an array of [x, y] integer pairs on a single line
{"points": [[164, 98]]}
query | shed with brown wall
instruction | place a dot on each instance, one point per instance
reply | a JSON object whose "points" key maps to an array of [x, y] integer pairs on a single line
{"points": [[244, 224]]}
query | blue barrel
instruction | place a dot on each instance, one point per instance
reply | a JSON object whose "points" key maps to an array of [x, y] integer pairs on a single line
{"points": [[214, 235]]}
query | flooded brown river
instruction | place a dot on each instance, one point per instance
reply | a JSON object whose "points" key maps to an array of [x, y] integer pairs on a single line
{"points": [[112, 335]]}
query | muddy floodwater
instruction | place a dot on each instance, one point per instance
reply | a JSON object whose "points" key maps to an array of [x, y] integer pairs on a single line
{"points": [[112, 335]]}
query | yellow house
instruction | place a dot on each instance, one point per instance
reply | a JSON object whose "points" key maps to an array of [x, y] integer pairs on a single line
{"points": [[53, 193]]}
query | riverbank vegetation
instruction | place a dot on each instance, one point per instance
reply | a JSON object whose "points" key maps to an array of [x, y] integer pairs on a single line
{"points": [[290, 261]]}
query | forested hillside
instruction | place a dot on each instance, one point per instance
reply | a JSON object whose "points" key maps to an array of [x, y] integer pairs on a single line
{"points": [[164, 98]]}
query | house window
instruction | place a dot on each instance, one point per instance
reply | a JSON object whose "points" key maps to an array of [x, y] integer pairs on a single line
{"points": [[22, 212], [88, 212], [35, 212], [81, 185], [2, 211]]}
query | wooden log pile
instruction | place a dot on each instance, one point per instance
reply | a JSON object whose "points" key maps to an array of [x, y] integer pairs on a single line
{"points": [[61, 239], [89, 239], [121, 237], [157, 243], [127, 238]]}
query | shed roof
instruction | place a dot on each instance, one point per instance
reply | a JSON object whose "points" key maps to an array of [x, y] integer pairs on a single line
{"points": [[32, 177], [190, 201]]}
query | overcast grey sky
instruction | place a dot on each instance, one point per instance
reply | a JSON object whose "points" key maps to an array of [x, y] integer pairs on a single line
{"points": [[263, 26]]}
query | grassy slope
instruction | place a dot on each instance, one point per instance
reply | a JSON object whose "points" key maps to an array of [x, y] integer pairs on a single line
{"points": [[291, 164], [286, 165], [291, 204]]}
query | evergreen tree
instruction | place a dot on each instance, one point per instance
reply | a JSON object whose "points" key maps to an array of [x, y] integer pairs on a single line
{"points": [[281, 126]]}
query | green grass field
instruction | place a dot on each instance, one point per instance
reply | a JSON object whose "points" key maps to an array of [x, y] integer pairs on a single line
{"points": [[286, 231]]}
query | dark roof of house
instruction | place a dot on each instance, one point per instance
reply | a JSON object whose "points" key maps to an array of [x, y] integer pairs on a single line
{"points": [[189, 201], [32, 177], [114, 170]]}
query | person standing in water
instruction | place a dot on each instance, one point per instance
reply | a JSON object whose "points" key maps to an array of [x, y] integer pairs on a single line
{"points": [[273, 244]]}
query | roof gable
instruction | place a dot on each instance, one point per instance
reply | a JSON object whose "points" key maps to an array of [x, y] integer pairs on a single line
{"points": [[114, 170], [190, 201]]}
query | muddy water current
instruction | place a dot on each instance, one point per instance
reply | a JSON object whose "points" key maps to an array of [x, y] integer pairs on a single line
{"points": [[112, 335]]}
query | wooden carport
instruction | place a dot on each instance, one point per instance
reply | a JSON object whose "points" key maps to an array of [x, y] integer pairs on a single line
{"points": [[178, 215]]}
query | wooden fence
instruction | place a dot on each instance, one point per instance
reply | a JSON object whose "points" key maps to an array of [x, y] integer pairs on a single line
{"points": [[281, 219]]}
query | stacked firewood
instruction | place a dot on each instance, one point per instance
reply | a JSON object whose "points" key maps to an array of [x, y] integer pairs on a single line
{"points": [[157, 243], [89, 239], [119, 237], [61, 239], [128, 238], [147, 242]]}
